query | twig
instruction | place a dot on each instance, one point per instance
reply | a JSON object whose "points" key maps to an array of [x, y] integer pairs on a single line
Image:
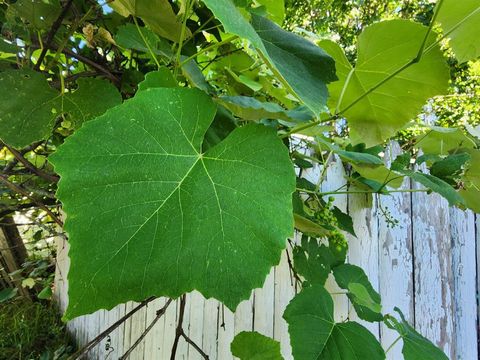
{"points": [[52, 32], [179, 329], [79, 354], [191, 342], [179, 332], [20, 190], [160, 313], [25, 150], [30, 166]]}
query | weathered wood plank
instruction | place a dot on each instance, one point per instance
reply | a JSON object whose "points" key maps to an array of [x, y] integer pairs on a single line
{"points": [[462, 227], [434, 303], [264, 305], [226, 333], [363, 249], [395, 257]]}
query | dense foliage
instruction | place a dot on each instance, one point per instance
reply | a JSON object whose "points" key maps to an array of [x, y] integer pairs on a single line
{"points": [[179, 131]]}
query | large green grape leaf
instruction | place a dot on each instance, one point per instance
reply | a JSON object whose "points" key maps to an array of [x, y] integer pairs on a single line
{"points": [[31, 106], [157, 14], [92, 98], [255, 346], [383, 49], [304, 67], [314, 335], [460, 21], [149, 214], [40, 15], [28, 108], [415, 346]]}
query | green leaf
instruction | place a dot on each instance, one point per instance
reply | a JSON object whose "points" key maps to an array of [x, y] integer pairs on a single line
{"points": [[163, 77], [7, 294], [149, 214], [313, 261], [471, 180], [195, 77], [27, 109], [383, 49], [459, 20], [365, 299], [92, 98], [441, 141], [255, 346], [275, 9], [46, 293], [7, 47], [156, 14], [39, 15], [345, 221], [315, 335], [436, 185], [302, 65], [128, 37], [450, 167], [249, 108], [415, 346]]}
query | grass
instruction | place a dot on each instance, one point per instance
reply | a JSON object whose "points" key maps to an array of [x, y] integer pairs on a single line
{"points": [[32, 330]]}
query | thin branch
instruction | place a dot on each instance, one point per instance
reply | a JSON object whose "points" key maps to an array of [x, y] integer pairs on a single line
{"points": [[179, 329], [160, 313], [52, 32], [22, 191], [23, 151], [83, 351], [179, 332], [191, 342], [19, 156]]}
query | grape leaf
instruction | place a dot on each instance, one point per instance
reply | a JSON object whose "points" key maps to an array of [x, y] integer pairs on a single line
{"points": [[440, 140], [315, 335], [275, 9], [313, 261], [415, 346], [365, 299], [38, 14], [32, 106], [459, 20], [249, 108], [149, 214], [435, 184], [163, 77], [27, 109], [303, 66], [255, 346], [383, 49], [157, 14], [471, 180], [92, 98], [129, 37]]}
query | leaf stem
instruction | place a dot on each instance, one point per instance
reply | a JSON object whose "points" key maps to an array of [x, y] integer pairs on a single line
{"points": [[208, 48], [393, 344], [360, 192], [150, 50], [188, 7]]}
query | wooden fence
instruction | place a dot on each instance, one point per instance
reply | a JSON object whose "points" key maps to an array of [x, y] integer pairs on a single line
{"points": [[426, 266]]}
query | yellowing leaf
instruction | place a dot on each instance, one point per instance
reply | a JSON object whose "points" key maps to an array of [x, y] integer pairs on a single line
{"points": [[157, 14]]}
